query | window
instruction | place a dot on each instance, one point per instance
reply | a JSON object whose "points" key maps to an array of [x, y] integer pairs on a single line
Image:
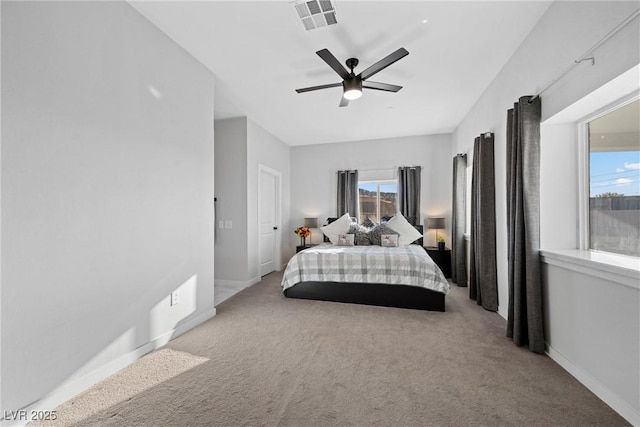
{"points": [[614, 180], [377, 199]]}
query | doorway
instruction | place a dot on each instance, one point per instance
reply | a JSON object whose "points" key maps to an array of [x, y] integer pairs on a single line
{"points": [[269, 181]]}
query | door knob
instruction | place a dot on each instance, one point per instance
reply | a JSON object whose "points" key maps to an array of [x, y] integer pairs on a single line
{"points": [[275, 228]]}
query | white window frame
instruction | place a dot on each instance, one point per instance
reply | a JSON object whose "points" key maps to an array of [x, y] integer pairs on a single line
{"points": [[584, 179], [377, 182]]}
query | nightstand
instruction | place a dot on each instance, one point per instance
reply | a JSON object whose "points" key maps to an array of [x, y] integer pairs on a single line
{"points": [[300, 247], [441, 258]]}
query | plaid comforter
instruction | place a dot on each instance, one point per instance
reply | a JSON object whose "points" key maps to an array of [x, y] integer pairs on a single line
{"points": [[405, 265]]}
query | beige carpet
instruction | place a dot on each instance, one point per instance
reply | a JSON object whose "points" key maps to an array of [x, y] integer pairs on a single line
{"points": [[268, 360]]}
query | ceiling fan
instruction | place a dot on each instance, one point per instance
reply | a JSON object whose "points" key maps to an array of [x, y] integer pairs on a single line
{"points": [[353, 84]]}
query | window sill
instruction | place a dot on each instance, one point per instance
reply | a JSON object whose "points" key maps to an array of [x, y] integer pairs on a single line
{"points": [[621, 269]]}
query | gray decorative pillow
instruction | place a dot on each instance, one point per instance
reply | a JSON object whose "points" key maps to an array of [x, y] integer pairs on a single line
{"points": [[368, 223], [376, 232], [361, 234]]}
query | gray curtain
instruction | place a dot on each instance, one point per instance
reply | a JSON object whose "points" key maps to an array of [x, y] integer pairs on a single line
{"points": [[524, 322], [483, 282], [409, 193], [347, 193], [458, 223]]}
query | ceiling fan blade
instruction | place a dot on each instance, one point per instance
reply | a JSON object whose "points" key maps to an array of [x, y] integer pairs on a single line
{"points": [[308, 89], [381, 86], [333, 63], [384, 63], [344, 102]]}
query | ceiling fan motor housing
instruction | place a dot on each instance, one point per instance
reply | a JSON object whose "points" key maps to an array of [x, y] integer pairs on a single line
{"points": [[354, 83]]}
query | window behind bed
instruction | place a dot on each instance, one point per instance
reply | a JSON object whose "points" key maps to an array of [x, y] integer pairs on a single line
{"points": [[376, 200]]}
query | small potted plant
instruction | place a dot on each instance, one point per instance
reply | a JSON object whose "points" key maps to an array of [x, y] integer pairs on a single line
{"points": [[440, 240], [302, 232]]}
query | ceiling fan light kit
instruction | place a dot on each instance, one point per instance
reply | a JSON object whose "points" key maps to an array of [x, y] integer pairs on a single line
{"points": [[352, 87], [353, 84], [352, 94]]}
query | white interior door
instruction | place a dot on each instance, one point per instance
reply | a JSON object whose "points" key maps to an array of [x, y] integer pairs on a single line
{"points": [[268, 221]]}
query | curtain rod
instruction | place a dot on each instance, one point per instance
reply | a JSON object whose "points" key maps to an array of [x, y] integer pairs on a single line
{"points": [[585, 56], [394, 169]]}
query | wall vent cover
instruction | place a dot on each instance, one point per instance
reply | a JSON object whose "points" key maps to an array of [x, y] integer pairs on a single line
{"points": [[315, 13]]}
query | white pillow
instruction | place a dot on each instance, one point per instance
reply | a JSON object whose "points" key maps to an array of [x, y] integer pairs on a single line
{"points": [[408, 233], [337, 227]]}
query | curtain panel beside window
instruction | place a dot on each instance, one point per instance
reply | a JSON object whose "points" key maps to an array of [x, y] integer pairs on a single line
{"points": [[458, 223], [347, 193], [409, 193], [483, 279], [524, 322]]}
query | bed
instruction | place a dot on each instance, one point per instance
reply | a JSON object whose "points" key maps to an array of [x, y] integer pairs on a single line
{"points": [[403, 276]]}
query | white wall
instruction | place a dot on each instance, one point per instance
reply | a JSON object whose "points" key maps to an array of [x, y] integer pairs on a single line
{"points": [[107, 190], [558, 187], [241, 146], [564, 33], [592, 328], [231, 192], [575, 26], [1, 324], [587, 302], [313, 191]]}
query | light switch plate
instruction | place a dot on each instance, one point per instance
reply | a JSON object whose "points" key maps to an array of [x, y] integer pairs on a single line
{"points": [[175, 298]]}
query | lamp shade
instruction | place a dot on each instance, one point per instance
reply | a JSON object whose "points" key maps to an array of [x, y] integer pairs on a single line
{"points": [[311, 222], [435, 223]]}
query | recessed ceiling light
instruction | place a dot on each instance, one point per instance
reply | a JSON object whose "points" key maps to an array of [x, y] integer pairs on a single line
{"points": [[424, 21]]}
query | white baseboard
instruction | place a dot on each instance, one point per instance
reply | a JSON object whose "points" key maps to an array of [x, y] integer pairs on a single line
{"points": [[225, 289], [236, 284], [176, 332], [607, 396], [75, 386]]}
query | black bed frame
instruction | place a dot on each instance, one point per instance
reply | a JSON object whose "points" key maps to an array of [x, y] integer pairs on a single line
{"points": [[402, 296]]}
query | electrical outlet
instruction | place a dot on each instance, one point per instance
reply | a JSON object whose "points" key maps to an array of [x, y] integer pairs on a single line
{"points": [[220, 224], [175, 298]]}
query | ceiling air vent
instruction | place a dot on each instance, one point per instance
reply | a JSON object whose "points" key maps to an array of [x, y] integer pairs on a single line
{"points": [[315, 13]]}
